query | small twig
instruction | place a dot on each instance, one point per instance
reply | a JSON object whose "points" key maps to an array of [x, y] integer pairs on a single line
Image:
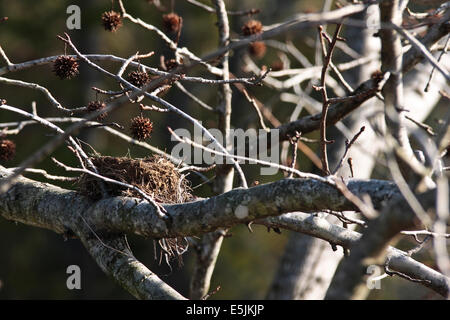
{"points": [[120, 75], [110, 124], [153, 108], [444, 51], [206, 297], [231, 13], [252, 160], [193, 97], [47, 175], [34, 108], [415, 234], [365, 209], [345, 219], [327, 59], [197, 169], [419, 247], [419, 46], [109, 92], [255, 106], [79, 151], [350, 164], [172, 44], [423, 126], [445, 94], [44, 90], [156, 99], [348, 145], [5, 57], [294, 141], [352, 97], [405, 189]]}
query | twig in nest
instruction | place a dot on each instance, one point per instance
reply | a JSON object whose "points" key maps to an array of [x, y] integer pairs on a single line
{"points": [[173, 248]]}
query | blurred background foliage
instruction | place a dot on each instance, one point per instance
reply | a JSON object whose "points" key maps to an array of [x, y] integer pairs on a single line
{"points": [[33, 261]]}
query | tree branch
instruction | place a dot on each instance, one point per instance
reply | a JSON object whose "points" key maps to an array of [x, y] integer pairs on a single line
{"points": [[396, 260], [366, 90], [63, 211], [47, 206]]}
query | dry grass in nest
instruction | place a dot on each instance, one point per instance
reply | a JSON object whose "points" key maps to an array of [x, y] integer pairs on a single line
{"points": [[156, 176]]}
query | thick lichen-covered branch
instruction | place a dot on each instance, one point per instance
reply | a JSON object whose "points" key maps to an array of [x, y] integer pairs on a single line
{"points": [[50, 207], [68, 212]]}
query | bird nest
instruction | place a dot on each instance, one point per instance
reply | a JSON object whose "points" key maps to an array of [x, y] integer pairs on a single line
{"points": [[156, 176]]}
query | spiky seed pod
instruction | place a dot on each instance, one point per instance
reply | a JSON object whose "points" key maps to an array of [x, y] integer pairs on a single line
{"points": [[257, 49], [111, 20], [94, 106], [172, 22], [141, 128], [7, 149], [251, 27], [66, 67], [138, 78]]}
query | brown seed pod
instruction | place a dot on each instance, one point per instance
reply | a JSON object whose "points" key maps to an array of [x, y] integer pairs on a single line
{"points": [[257, 49], [172, 22], [141, 128], [111, 20], [94, 106], [251, 27], [7, 149], [138, 78], [66, 67]]}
